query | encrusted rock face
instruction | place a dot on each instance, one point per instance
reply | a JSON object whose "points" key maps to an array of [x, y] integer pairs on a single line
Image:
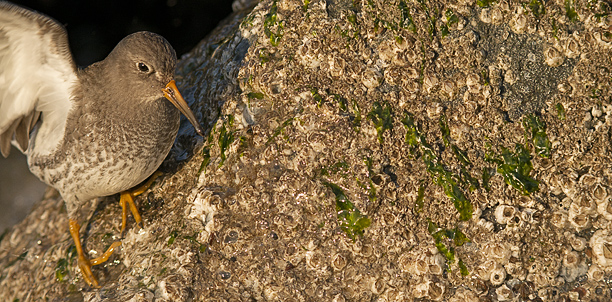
{"points": [[370, 150]]}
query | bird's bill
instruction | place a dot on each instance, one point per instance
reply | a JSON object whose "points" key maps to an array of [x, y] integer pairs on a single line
{"points": [[172, 93]]}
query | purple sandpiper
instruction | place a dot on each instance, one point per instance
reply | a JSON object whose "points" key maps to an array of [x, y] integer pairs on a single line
{"points": [[88, 132]]}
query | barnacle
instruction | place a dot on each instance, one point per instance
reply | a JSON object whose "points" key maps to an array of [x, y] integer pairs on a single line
{"points": [[601, 244], [553, 57]]}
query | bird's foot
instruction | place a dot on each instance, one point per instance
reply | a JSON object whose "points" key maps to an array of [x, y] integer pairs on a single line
{"points": [[127, 200], [84, 263]]}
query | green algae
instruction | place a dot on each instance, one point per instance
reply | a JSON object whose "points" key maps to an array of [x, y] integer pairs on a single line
{"points": [[419, 203], [305, 6], [255, 95], [486, 176], [271, 21], [445, 179], [485, 3], [560, 111], [316, 96], [226, 137], [444, 129], [342, 102], [357, 115], [351, 221], [406, 22], [537, 128], [455, 236], [193, 239], [279, 129], [570, 11], [341, 168], [462, 268], [206, 160], [382, 117], [536, 7], [515, 168], [172, 238], [61, 268]]}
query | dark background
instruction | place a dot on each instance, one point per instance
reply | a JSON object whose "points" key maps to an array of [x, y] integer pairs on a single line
{"points": [[94, 28]]}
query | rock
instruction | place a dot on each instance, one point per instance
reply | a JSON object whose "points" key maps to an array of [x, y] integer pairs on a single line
{"points": [[350, 139]]}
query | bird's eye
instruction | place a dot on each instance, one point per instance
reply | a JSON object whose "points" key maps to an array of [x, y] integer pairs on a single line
{"points": [[143, 67]]}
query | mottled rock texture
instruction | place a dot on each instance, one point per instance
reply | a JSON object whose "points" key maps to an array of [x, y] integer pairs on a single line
{"points": [[367, 151]]}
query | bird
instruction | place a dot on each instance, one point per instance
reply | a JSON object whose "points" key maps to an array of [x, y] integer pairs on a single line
{"points": [[87, 132]]}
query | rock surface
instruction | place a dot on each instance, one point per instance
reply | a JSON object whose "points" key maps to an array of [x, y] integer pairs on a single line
{"points": [[367, 151]]}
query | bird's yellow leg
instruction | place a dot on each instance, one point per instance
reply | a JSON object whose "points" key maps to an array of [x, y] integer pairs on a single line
{"points": [[127, 200], [84, 263]]}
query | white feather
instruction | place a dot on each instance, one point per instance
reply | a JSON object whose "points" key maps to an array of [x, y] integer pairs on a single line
{"points": [[37, 72]]}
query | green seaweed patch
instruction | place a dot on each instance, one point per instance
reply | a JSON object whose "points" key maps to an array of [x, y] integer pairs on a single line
{"points": [[406, 22], [463, 158], [412, 133], [357, 115], [448, 251], [445, 130], [419, 203], [604, 9], [555, 28], [193, 239], [255, 95], [462, 268], [226, 137], [342, 102], [264, 56], [380, 23], [431, 17], [279, 130], [515, 168], [316, 96], [61, 268], [451, 18], [352, 222], [271, 21], [570, 11], [460, 154], [381, 116], [446, 179], [467, 178], [206, 160], [536, 7], [341, 168], [305, 6], [172, 238], [560, 111], [485, 3], [539, 139], [486, 176]]}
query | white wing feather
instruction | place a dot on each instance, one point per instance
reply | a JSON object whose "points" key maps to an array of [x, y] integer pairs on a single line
{"points": [[37, 74]]}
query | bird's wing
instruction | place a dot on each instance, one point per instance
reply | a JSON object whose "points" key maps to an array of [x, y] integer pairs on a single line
{"points": [[37, 75]]}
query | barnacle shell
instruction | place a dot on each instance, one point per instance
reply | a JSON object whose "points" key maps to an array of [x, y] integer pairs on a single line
{"points": [[498, 275], [601, 244], [595, 273], [553, 57], [504, 213], [518, 23], [504, 293], [605, 209]]}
